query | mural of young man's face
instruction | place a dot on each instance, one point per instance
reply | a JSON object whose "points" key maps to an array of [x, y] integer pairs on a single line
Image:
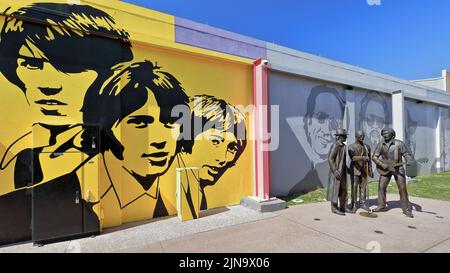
{"points": [[326, 119], [149, 144], [221, 148], [55, 97], [373, 122]]}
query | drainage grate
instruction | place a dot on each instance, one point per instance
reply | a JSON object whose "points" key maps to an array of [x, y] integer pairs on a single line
{"points": [[317, 219], [379, 232], [412, 227], [440, 217]]}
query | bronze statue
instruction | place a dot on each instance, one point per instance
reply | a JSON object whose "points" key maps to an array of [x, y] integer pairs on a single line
{"points": [[360, 170], [337, 188], [388, 156]]}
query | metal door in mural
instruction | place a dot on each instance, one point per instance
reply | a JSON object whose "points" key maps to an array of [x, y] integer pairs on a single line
{"points": [[59, 209], [16, 216], [62, 205], [59, 198]]}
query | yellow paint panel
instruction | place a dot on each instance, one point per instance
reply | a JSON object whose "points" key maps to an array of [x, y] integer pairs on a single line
{"points": [[2, 21], [199, 75]]}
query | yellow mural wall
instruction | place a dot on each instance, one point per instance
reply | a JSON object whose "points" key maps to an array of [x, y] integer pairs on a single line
{"points": [[199, 75], [95, 137]]}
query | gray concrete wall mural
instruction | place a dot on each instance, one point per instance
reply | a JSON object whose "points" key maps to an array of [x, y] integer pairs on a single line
{"points": [[420, 133], [310, 112]]}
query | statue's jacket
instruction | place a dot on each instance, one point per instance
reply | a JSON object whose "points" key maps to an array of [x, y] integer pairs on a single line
{"points": [[337, 160]]}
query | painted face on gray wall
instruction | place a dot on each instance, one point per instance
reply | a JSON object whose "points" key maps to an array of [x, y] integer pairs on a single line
{"points": [[324, 119], [373, 117], [375, 121]]}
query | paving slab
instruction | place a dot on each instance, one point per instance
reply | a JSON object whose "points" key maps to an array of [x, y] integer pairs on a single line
{"points": [[151, 248], [443, 247], [272, 235], [390, 232], [135, 235], [27, 247], [302, 228]]}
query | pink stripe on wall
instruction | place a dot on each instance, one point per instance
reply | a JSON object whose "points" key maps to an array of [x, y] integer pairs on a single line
{"points": [[260, 128]]}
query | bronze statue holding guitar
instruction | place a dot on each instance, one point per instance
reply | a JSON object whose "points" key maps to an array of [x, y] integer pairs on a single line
{"points": [[391, 166], [388, 157]]}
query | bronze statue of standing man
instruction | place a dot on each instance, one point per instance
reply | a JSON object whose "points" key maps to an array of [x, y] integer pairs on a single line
{"points": [[360, 170], [388, 156], [337, 159]]}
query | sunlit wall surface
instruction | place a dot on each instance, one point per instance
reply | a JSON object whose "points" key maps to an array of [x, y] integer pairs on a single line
{"points": [[420, 131], [310, 113]]}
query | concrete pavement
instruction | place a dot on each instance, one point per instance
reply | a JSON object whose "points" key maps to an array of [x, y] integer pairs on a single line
{"points": [[302, 228]]}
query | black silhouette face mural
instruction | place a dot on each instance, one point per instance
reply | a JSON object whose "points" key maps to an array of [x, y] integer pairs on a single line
{"points": [[34, 46], [135, 106], [53, 81], [103, 137], [223, 134]]}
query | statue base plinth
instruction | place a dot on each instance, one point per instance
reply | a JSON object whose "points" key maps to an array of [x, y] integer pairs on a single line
{"points": [[269, 205]]}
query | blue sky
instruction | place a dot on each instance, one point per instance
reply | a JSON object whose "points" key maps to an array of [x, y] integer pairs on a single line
{"points": [[404, 38]]}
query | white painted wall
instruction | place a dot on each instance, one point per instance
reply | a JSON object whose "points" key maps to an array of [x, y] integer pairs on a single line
{"points": [[438, 83]]}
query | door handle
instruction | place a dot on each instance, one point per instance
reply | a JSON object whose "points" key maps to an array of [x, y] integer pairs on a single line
{"points": [[77, 197]]}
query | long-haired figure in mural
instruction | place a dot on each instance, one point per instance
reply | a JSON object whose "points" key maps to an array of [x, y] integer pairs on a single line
{"points": [[324, 115], [58, 64], [222, 137], [140, 138], [373, 117], [410, 136]]}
